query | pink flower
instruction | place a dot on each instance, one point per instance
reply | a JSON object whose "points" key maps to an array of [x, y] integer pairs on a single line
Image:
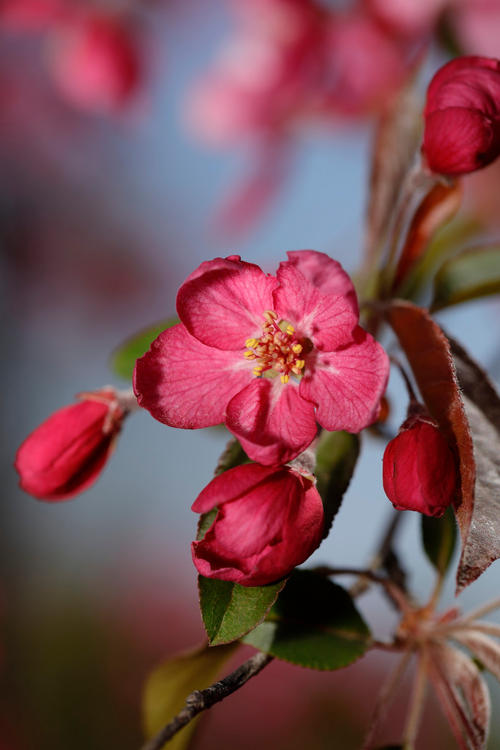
{"points": [[94, 62], [268, 356], [268, 521], [67, 452], [419, 467], [462, 116]]}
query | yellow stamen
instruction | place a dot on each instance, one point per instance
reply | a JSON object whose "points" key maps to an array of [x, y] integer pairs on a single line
{"points": [[250, 343], [300, 363], [250, 354], [257, 370], [296, 348], [290, 329], [284, 378]]}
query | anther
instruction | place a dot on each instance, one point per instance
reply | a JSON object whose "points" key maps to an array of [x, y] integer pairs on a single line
{"points": [[296, 348], [284, 378], [250, 343], [290, 330], [250, 354]]}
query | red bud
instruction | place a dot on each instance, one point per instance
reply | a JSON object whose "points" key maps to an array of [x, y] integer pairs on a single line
{"points": [[67, 452], [419, 468], [462, 116]]}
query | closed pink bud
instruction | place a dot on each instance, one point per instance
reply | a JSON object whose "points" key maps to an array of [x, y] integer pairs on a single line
{"points": [[462, 116], [67, 452], [419, 468], [268, 521]]}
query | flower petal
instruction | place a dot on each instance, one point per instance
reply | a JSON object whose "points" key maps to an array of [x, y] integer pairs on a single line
{"points": [[272, 422], [346, 385], [230, 485], [325, 319], [184, 383], [222, 305], [458, 140], [261, 536], [325, 274]]}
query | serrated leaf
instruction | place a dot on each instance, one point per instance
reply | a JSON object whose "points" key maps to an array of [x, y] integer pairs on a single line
{"points": [[123, 359], [479, 522], [168, 686], [230, 611], [439, 537], [429, 354], [314, 623], [335, 462], [469, 275]]}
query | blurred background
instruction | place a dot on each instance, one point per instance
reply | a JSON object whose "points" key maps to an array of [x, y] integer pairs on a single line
{"points": [[137, 139]]}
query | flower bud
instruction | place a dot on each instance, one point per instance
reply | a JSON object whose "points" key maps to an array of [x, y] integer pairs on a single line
{"points": [[419, 468], [67, 452], [268, 521], [462, 116]]}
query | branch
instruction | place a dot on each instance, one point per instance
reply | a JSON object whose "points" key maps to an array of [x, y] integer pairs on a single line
{"points": [[201, 700], [384, 558]]}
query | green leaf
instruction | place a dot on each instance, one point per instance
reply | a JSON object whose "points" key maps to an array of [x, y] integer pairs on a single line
{"points": [[439, 536], [314, 623], [232, 456], [471, 274], [168, 686], [335, 461], [230, 611], [123, 359]]}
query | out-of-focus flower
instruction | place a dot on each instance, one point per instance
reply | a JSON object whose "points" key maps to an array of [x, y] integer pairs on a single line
{"points": [[363, 65], [462, 116], [269, 356], [94, 62], [67, 452], [30, 15], [268, 521], [410, 18], [475, 24], [419, 468]]}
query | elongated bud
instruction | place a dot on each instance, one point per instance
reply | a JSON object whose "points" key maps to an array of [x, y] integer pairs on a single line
{"points": [[419, 468], [67, 452]]}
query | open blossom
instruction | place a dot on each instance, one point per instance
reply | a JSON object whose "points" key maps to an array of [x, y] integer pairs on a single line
{"points": [[462, 116], [67, 452], [270, 356], [268, 521], [419, 468]]}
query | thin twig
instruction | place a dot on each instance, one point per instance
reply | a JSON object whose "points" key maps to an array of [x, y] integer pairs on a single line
{"points": [[394, 591], [380, 558], [201, 700]]}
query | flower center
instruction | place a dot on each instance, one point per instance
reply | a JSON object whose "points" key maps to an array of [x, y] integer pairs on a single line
{"points": [[277, 351]]}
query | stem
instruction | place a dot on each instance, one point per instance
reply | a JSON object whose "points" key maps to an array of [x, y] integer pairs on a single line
{"points": [[384, 699], [381, 556], [201, 700], [396, 594], [417, 703]]}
